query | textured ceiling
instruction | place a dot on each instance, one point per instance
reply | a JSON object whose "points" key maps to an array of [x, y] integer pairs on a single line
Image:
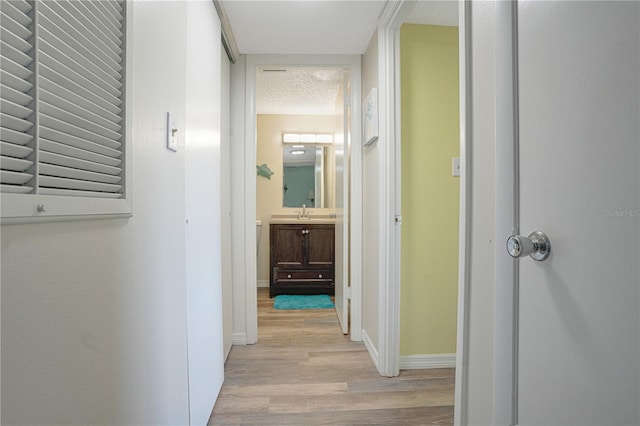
{"points": [[304, 91]]}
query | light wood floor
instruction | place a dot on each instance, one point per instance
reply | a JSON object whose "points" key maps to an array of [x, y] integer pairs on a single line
{"points": [[303, 371]]}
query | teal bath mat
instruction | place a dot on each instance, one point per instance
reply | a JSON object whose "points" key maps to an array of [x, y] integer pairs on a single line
{"points": [[316, 301]]}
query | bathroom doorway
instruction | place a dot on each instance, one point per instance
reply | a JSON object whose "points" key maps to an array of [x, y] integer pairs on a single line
{"points": [[429, 158], [300, 152], [420, 44]]}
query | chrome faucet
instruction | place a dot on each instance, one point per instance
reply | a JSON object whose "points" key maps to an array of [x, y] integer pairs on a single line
{"points": [[304, 214]]}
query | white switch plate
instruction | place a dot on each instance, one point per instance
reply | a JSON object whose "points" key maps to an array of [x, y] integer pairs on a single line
{"points": [[455, 166], [172, 132]]}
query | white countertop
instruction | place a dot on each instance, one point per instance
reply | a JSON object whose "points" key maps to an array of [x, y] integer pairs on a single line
{"points": [[293, 219]]}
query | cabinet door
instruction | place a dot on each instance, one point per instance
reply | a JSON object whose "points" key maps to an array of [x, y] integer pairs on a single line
{"points": [[287, 245], [320, 245]]}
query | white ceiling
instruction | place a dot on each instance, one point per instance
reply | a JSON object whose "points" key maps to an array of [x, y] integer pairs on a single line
{"points": [[438, 12], [303, 26], [313, 27]]}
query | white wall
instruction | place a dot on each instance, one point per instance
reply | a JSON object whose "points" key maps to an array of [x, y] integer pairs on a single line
{"points": [[225, 220], [94, 313], [371, 209], [203, 204], [241, 326]]}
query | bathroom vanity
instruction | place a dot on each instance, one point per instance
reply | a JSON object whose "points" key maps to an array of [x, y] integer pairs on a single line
{"points": [[302, 257]]}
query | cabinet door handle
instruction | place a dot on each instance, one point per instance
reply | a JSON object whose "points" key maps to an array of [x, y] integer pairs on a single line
{"points": [[289, 276], [319, 275]]}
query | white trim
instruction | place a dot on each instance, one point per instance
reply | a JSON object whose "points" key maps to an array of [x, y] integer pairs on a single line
{"points": [[371, 348], [239, 339], [228, 39], [263, 283], [355, 210], [390, 202], [425, 362], [251, 267], [353, 64], [505, 389], [238, 198], [464, 249]]}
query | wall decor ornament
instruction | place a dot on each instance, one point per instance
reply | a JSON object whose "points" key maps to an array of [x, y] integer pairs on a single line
{"points": [[370, 112], [264, 171]]}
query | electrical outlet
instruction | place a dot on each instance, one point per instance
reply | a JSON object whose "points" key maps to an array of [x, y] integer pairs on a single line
{"points": [[455, 166]]}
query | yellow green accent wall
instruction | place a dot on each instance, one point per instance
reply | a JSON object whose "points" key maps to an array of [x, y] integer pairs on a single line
{"points": [[430, 194]]}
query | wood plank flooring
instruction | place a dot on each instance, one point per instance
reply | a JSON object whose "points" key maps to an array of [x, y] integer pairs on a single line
{"points": [[303, 371]]}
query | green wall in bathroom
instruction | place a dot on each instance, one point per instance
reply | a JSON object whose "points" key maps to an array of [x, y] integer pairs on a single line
{"points": [[430, 194]]}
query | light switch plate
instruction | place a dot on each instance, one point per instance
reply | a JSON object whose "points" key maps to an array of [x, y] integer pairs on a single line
{"points": [[172, 132], [455, 166]]}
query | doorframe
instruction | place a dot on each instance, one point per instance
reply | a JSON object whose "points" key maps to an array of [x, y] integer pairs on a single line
{"points": [[505, 324], [393, 16], [249, 302], [464, 239], [389, 122]]}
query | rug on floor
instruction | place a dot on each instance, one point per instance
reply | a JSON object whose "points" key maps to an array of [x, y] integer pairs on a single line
{"points": [[315, 301]]}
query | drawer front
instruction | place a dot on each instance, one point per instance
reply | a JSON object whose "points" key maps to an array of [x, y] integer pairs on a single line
{"points": [[298, 275]]}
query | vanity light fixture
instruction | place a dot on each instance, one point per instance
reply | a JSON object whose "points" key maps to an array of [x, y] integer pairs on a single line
{"points": [[315, 138], [291, 137], [324, 138], [308, 137]]}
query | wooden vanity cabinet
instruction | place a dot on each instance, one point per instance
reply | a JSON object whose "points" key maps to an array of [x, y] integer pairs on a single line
{"points": [[302, 258]]}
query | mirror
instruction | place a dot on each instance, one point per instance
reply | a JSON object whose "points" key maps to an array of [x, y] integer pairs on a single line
{"points": [[308, 176]]}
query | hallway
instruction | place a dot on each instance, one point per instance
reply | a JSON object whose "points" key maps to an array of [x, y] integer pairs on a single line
{"points": [[304, 371]]}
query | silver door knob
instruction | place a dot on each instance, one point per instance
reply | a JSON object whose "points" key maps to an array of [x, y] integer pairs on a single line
{"points": [[536, 245]]}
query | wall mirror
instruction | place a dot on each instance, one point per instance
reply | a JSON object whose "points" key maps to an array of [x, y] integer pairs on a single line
{"points": [[308, 176]]}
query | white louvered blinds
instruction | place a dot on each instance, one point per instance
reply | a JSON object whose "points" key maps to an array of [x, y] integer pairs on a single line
{"points": [[16, 97], [62, 98]]}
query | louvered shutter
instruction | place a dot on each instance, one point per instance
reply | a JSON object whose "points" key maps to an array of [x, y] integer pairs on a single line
{"points": [[16, 97], [79, 90], [80, 98]]}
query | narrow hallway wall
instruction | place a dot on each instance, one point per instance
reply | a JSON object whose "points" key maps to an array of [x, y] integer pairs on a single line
{"points": [[94, 312], [430, 194], [371, 208]]}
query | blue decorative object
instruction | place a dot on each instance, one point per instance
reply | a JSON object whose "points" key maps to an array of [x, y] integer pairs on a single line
{"points": [[315, 301]]}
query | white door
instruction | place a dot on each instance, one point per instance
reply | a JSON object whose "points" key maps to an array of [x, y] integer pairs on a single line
{"points": [[342, 207], [579, 325], [203, 268]]}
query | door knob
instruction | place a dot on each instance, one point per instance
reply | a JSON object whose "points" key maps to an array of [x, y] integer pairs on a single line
{"points": [[536, 245]]}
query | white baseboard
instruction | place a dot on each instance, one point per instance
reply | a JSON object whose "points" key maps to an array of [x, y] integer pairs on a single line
{"points": [[424, 362], [239, 339], [373, 352], [263, 283]]}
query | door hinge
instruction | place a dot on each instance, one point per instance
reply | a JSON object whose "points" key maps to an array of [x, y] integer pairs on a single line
{"points": [[348, 292], [397, 219]]}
